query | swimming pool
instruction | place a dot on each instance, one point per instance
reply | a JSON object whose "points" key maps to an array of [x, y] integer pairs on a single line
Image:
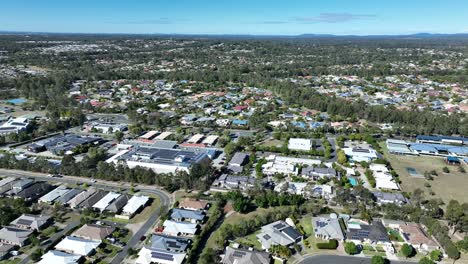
{"points": [[17, 101], [412, 171], [353, 181]]}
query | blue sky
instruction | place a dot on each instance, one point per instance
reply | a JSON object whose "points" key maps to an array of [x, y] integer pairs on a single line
{"points": [[262, 17]]}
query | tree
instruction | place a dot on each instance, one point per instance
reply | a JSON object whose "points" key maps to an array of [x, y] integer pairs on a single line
{"points": [[407, 250], [118, 135], [436, 255], [378, 260], [426, 260], [452, 251], [351, 248], [36, 255], [341, 157], [455, 215]]}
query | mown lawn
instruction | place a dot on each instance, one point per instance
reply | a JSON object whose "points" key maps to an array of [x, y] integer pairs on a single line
{"points": [[446, 186]]}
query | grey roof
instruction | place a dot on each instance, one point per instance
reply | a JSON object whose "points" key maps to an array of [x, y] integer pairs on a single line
{"points": [[34, 191], [168, 243], [164, 156], [69, 195], [118, 203], [375, 232], [82, 196], [278, 233], [14, 235], [329, 228], [242, 256], [390, 197], [187, 214], [320, 172], [238, 159], [93, 199], [31, 221]]}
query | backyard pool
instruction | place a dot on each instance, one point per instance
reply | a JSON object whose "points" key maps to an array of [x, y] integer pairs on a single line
{"points": [[412, 172], [17, 101], [353, 181]]}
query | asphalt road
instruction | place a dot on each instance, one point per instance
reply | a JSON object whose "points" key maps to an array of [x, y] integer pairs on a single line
{"points": [[165, 199], [331, 259]]}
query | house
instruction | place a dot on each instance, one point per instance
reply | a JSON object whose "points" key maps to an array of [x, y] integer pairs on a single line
{"points": [[118, 204], [68, 196], [328, 228], [168, 243], [324, 190], [237, 162], [93, 199], [14, 125], [134, 205], [94, 232], [300, 144], [361, 232], [149, 255], [34, 191], [233, 182], [292, 187], [193, 204], [5, 250], [20, 185], [414, 235], [174, 228], [79, 198], [59, 257], [182, 215], [109, 128], [53, 195], [31, 222], [278, 233], [358, 154], [387, 198], [242, 256], [105, 201], [78, 246], [286, 165], [14, 236], [316, 173]]}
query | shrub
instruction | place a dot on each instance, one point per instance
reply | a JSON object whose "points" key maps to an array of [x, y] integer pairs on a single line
{"points": [[331, 244], [351, 248]]}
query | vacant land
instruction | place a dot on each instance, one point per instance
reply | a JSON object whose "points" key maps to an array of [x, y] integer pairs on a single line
{"points": [[446, 186]]}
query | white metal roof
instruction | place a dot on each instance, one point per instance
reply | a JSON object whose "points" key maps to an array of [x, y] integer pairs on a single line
{"points": [[106, 201], [134, 204], [77, 245]]}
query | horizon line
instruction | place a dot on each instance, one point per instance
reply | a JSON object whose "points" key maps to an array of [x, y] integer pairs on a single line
{"points": [[14, 32]]}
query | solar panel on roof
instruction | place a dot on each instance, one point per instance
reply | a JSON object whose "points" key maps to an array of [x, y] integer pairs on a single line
{"points": [[279, 226], [24, 222], [267, 237], [163, 256], [239, 254]]}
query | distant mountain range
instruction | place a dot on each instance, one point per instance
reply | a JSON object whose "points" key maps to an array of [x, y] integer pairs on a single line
{"points": [[242, 36]]}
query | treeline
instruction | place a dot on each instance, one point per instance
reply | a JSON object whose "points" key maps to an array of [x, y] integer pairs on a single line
{"points": [[92, 166], [409, 122]]}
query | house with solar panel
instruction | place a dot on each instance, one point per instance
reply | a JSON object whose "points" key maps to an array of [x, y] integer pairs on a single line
{"points": [[278, 233], [148, 255], [243, 256], [182, 215], [31, 222], [169, 243], [361, 232], [328, 228]]}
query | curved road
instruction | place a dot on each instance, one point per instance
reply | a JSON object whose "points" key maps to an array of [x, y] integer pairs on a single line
{"points": [[332, 259], [164, 197]]}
